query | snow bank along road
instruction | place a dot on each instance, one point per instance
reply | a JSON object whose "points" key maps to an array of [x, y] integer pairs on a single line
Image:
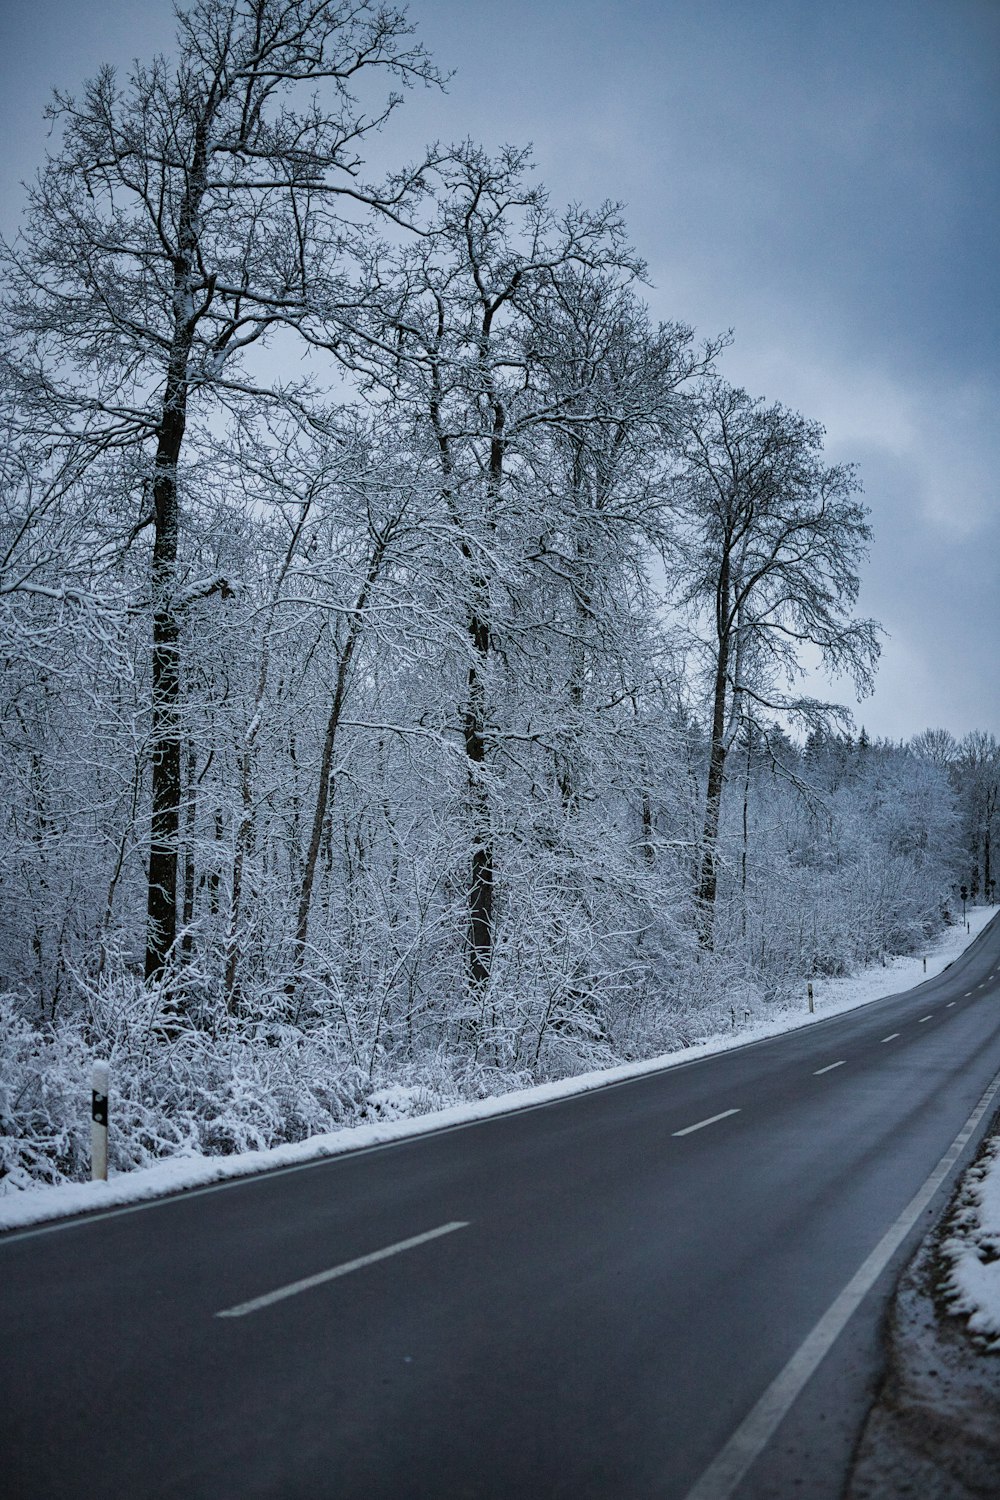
{"points": [[670, 1287]]}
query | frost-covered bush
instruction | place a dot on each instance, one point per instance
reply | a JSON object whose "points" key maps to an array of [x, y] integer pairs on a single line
{"points": [[194, 1091], [44, 1106], [181, 1089]]}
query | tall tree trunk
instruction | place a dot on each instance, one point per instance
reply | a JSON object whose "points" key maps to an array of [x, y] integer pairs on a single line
{"points": [[127, 831], [243, 840], [707, 876], [580, 586], [991, 807], [324, 787], [481, 882], [161, 907], [190, 822], [161, 910], [479, 941], [241, 847], [746, 841], [648, 846], [481, 873]]}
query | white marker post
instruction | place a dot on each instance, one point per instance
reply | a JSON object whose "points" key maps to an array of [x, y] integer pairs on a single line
{"points": [[99, 1123], [812, 1008]]}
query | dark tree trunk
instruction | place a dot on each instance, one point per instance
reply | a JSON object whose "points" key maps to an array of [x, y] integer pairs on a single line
{"points": [[648, 847], [481, 874], [707, 876], [325, 784], [161, 929], [990, 811], [190, 822], [481, 881], [746, 841], [161, 909]]}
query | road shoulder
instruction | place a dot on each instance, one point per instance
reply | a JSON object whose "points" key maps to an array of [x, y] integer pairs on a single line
{"points": [[934, 1430]]}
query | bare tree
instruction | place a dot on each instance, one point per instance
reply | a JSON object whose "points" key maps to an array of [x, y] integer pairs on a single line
{"points": [[183, 219], [454, 345], [768, 547], [938, 746], [614, 384], [383, 500]]}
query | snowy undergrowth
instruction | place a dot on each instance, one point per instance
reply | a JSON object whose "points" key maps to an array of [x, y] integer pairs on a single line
{"points": [[203, 1095], [972, 1251], [207, 1107]]}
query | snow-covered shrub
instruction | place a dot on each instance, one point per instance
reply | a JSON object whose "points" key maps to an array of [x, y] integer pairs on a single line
{"points": [[44, 1101], [196, 1092]]}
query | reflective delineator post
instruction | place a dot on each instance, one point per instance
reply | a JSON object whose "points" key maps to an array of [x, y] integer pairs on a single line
{"points": [[99, 1123], [925, 966], [809, 990]]}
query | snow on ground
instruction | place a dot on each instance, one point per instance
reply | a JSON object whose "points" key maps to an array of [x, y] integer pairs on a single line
{"points": [[972, 1250], [832, 997]]}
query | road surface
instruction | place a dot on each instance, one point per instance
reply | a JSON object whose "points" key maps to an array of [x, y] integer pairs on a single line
{"points": [[670, 1287]]}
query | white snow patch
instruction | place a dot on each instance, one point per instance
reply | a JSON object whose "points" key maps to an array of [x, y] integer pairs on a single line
{"points": [[973, 1250], [832, 997], [395, 1103]]}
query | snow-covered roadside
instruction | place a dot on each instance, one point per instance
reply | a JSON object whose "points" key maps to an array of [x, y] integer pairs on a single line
{"points": [[934, 1429], [972, 1250], [832, 997]]}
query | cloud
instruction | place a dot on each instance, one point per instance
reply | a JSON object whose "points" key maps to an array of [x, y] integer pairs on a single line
{"points": [[944, 437]]}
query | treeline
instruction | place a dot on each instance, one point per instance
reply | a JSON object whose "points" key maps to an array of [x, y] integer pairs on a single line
{"points": [[401, 629]]}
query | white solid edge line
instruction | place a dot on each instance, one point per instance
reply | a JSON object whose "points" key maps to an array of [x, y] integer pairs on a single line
{"points": [[829, 1067], [294, 1287], [751, 1437], [689, 1129], [891, 1038]]}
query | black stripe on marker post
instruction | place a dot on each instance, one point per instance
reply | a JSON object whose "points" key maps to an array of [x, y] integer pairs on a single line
{"points": [[99, 1123]]}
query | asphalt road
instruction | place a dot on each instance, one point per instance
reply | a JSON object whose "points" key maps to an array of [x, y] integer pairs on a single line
{"points": [[611, 1294]]}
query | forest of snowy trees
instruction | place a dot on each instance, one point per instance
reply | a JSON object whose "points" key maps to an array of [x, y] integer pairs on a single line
{"points": [[402, 632]]}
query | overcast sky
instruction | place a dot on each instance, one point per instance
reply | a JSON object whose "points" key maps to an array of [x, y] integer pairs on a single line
{"points": [[823, 178]]}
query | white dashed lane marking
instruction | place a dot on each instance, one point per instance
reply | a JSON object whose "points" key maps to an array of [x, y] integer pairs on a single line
{"points": [[891, 1038], [829, 1067], [690, 1129], [925, 1018], [293, 1287]]}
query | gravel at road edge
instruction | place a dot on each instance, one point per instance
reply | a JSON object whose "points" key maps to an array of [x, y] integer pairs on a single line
{"points": [[934, 1430]]}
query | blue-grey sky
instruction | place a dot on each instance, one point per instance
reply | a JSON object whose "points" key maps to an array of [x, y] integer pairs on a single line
{"points": [[822, 178]]}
